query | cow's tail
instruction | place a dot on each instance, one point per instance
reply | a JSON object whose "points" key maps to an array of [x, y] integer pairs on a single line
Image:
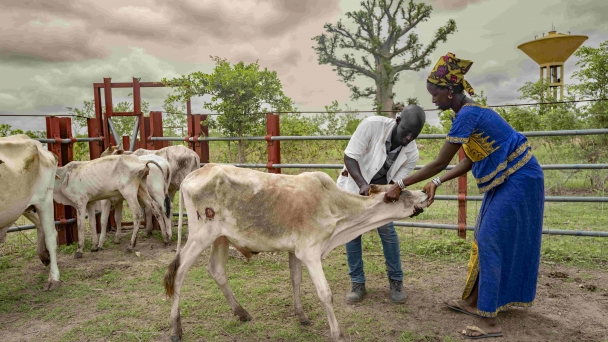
{"points": [[166, 187], [180, 221], [169, 279], [167, 199]]}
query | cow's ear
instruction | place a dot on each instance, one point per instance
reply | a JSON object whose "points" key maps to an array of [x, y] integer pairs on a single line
{"points": [[375, 188], [120, 151]]}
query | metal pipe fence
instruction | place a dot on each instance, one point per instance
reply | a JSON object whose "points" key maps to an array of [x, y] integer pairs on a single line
{"points": [[67, 141], [347, 137], [418, 167], [472, 228]]}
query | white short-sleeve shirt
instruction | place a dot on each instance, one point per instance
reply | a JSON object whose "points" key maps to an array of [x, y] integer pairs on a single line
{"points": [[367, 147]]}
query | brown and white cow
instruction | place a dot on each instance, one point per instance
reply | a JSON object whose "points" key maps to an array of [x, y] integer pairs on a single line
{"points": [[81, 182], [306, 215], [181, 160], [27, 171]]}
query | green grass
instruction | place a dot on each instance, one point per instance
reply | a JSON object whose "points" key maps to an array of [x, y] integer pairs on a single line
{"points": [[108, 302]]}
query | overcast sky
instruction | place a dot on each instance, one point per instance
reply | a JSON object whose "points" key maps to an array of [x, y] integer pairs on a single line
{"points": [[52, 51]]}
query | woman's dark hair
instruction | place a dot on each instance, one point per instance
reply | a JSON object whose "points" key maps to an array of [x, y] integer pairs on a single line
{"points": [[456, 89]]}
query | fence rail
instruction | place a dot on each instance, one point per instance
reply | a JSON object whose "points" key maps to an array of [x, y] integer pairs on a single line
{"points": [[347, 137], [471, 228]]}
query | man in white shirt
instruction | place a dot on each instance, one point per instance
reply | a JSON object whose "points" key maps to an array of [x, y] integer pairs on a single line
{"points": [[381, 150]]}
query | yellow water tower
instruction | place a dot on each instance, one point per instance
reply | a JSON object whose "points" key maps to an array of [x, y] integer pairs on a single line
{"points": [[551, 52]]}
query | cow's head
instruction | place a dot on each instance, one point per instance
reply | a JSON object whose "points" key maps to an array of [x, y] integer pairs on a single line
{"points": [[409, 198], [112, 150]]}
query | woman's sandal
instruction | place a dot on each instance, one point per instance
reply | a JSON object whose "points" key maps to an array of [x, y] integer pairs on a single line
{"points": [[476, 328], [459, 308]]}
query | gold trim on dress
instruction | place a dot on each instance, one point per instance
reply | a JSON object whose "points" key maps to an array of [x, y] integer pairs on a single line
{"points": [[521, 149], [475, 105], [507, 173], [473, 270], [478, 147], [503, 308]]}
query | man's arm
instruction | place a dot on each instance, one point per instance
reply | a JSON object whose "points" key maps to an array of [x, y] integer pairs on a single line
{"points": [[354, 171], [355, 150]]}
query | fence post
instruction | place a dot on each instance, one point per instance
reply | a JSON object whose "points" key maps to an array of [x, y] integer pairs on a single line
{"points": [[274, 146], [95, 150], [60, 128], [156, 130], [462, 203]]}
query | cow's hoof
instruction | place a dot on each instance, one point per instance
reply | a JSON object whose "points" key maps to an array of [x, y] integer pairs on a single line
{"points": [[166, 244], [129, 249], [243, 315], [175, 339], [45, 261], [95, 249], [52, 285], [117, 241], [306, 322], [78, 255]]}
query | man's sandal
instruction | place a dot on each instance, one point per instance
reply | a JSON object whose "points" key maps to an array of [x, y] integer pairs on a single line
{"points": [[476, 328]]}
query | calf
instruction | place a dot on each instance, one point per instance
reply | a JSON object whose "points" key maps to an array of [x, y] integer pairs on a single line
{"points": [[157, 183], [80, 183], [306, 215], [27, 171], [182, 161]]}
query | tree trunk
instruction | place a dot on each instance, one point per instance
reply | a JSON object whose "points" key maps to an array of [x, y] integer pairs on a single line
{"points": [[241, 156], [384, 87], [384, 90]]}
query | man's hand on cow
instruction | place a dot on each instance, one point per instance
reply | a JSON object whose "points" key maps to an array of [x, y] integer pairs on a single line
{"points": [[417, 211], [430, 189], [393, 193], [364, 190]]}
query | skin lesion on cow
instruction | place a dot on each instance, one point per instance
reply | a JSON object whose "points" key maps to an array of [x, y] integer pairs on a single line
{"points": [[209, 213]]}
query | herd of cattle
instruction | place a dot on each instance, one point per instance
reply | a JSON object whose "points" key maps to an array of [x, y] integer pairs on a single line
{"points": [[306, 215]]}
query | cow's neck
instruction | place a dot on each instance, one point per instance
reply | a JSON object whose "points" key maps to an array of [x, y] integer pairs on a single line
{"points": [[372, 213]]}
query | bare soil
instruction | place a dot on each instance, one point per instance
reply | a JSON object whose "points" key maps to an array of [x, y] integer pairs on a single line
{"points": [[123, 292]]}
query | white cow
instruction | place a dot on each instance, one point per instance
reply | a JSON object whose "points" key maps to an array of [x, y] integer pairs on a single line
{"points": [[306, 215], [182, 161], [81, 182], [27, 171], [157, 183]]}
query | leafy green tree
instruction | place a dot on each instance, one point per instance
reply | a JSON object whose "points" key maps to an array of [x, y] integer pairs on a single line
{"points": [[385, 36], [7, 130], [124, 124], [593, 78], [239, 93]]}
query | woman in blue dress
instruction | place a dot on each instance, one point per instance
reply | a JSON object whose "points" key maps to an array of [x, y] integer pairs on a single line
{"points": [[505, 252]]}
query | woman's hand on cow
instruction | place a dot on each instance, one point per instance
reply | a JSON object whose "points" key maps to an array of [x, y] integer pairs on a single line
{"points": [[392, 194], [430, 189]]}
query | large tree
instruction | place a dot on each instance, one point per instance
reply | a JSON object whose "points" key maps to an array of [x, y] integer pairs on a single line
{"points": [[385, 37], [240, 92]]}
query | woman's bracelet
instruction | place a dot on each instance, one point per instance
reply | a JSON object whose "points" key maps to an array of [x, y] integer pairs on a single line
{"points": [[437, 181], [400, 183]]}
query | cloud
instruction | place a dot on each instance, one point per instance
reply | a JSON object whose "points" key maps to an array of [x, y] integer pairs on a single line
{"points": [[453, 4]]}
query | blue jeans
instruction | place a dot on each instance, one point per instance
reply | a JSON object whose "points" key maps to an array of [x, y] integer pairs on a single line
{"points": [[392, 255]]}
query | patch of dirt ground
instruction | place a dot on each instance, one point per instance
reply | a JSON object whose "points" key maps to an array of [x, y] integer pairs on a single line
{"points": [[120, 290]]}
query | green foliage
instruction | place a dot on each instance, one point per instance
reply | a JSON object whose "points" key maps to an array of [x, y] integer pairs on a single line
{"points": [[123, 124], [239, 93], [385, 36], [7, 130]]}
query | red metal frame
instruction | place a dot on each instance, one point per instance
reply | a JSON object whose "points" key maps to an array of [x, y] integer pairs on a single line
{"points": [[274, 146], [61, 128]]}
